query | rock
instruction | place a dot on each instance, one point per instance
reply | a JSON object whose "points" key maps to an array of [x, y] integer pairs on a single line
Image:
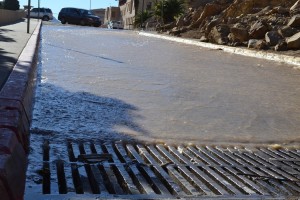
{"points": [[258, 30], [210, 25], [210, 9], [295, 9], [272, 38], [257, 44], [232, 38], [203, 39], [265, 10], [279, 10], [287, 31], [252, 43], [239, 34], [293, 42], [295, 21], [180, 22], [177, 31], [246, 6], [197, 14], [281, 46], [219, 34], [199, 3]]}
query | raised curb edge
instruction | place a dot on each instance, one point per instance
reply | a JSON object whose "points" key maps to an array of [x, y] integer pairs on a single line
{"points": [[293, 60]]}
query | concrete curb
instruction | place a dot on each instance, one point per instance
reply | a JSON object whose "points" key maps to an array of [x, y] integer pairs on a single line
{"points": [[293, 60], [16, 103]]}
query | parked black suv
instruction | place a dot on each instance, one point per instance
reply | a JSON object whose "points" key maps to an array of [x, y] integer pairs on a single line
{"points": [[78, 16]]}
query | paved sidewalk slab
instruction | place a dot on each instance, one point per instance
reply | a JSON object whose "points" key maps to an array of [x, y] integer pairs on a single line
{"points": [[13, 39]]}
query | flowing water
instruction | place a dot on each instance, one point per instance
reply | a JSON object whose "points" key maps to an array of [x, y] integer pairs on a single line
{"points": [[97, 84]]}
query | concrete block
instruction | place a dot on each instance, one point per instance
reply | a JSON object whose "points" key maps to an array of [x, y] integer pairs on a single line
{"points": [[8, 141], [17, 123], [13, 172], [3, 192]]}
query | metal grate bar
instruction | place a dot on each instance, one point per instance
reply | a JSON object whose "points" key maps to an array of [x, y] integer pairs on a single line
{"points": [[164, 171], [160, 172], [148, 169], [210, 171], [234, 170], [124, 177], [81, 175], [238, 184], [157, 186], [196, 175], [136, 175]]}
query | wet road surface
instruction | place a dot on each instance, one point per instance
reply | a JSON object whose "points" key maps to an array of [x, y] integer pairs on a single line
{"points": [[106, 84]]}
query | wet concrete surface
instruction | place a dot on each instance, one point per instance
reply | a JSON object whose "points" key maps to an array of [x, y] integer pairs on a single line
{"points": [[108, 84]]}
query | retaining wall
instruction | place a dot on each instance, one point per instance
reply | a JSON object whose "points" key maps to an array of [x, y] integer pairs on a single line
{"points": [[16, 102], [9, 16]]}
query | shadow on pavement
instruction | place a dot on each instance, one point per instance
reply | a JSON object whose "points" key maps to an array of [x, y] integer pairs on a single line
{"points": [[61, 115], [7, 63], [4, 38]]}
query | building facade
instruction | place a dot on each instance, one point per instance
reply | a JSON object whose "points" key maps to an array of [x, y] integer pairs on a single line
{"points": [[112, 14], [130, 8]]}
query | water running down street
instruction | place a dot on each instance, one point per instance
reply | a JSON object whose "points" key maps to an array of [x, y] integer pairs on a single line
{"points": [[103, 84]]}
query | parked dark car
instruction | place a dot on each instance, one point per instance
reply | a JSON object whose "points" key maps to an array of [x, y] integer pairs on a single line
{"points": [[78, 16]]}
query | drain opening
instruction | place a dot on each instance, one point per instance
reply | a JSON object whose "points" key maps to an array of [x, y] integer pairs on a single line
{"points": [[181, 171]]}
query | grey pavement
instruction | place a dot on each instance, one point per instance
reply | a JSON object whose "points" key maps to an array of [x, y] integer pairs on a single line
{"points": [[13, 39]]}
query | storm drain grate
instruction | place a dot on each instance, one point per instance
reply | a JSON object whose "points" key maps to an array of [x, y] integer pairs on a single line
{"points": [[170, 171]]}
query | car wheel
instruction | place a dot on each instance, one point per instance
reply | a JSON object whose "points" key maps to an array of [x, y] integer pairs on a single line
{"points": [[82, 22], [45, 18], [63, 21]]}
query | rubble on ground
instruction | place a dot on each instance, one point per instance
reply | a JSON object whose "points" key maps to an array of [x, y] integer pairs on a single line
{"points": [[258, 24]]}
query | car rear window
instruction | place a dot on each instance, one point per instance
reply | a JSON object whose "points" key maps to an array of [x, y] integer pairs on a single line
{"points": [[48, 10]]}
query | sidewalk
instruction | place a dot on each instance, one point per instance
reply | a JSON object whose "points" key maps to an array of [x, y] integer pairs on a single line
{"points": [[18, 57], [13, 39]]}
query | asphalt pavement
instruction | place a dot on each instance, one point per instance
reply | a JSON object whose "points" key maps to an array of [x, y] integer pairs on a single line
{"points": [[13, 39]]}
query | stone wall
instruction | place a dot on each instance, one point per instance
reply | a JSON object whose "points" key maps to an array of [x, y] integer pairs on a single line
{"points": [[9, 16]]}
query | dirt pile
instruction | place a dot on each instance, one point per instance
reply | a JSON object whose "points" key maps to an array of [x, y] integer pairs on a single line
{"points": [[259, 24]]}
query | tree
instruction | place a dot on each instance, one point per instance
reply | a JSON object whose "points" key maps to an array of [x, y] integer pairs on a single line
{"points": [[11, 5], [168, 10], [141, 15]]}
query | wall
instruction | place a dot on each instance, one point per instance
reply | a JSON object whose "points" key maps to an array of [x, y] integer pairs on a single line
{"points": [[112, 14], [128, 14], [9, 16]]}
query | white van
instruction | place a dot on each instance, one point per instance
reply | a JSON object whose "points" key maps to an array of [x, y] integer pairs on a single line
{"points": [[41, 13]]}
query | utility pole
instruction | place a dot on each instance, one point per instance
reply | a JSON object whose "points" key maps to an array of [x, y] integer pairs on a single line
{"points": [[28, 15], [39, 10]]}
